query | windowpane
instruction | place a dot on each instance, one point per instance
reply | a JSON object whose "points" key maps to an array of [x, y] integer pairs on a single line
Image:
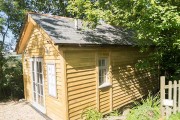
{"points": [[37, 77], [34, 86], [40, 67], [34, 96], [41, 90], [99, 63], [103, 69], [32, 65], [39, 99], [104, 72], [37, 66], [100, 80], [40, 77], [103, 62], [38, 89], [100, 72], [33, 76]]}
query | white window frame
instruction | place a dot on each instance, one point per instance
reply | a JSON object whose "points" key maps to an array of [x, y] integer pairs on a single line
{"points": [[105, 82], [55, 82]]}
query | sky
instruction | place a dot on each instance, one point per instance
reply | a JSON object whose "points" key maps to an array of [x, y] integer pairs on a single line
{"points": [[9, 37]]}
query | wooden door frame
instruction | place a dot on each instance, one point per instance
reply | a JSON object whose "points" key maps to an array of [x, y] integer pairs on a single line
{"points": [[35, 104]]}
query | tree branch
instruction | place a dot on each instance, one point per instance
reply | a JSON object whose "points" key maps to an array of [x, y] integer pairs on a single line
{"points": [[5, 33]]}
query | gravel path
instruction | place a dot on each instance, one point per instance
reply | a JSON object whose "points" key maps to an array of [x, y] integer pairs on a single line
{"points": [[19, 111]]}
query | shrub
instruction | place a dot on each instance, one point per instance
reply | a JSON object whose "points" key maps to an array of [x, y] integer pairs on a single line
{"points": [[149, 109], [11, 80], [175, 116], [91, 114], [114, 113]]}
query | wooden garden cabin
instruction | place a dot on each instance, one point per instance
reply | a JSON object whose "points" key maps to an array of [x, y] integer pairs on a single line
{"points": [[68, 67]]}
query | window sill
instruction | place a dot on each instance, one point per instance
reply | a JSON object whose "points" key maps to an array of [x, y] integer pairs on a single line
{"points": [[107, 84], [52, 96]]}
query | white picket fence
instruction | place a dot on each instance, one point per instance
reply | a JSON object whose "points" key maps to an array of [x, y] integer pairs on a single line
{"points": [[170, 97]]}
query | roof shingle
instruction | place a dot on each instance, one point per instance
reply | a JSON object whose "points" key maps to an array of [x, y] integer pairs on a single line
{"points": [[62, 30]]}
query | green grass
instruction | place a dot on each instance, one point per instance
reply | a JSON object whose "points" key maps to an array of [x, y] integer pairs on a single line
{"points": [[175, 116]]}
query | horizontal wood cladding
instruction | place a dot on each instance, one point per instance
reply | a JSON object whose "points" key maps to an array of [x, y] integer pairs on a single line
{"points": [[128, 83], [81, 82], [39, 46], [104, 100]]}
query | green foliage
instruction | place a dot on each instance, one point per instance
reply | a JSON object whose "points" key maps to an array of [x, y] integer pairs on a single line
{"points": [[11, 80], [114, 113], [86, 10], [56, 7], [175, 116], [11, 18], [2, 22], [15, 11], [148, 110], [91, 114], [154, 22]]}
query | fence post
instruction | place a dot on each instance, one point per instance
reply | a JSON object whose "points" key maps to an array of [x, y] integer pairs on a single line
{"points": [[170, 96], [179, 96], [175, 97], [162, 92]]}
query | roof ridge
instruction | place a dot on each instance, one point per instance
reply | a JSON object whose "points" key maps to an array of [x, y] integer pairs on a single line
{"points": [[52, 16]]}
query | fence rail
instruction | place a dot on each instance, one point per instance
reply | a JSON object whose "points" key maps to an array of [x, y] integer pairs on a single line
{"points": [[170, 97]]}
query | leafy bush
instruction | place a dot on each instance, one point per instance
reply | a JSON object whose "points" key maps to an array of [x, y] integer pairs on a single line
{"points": [[148, 110], [114, 113], [91, 114], [11, 80], [175, 116]]}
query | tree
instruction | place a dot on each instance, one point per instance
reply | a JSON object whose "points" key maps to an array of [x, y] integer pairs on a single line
{"points": [[12, 15], [154, 22], [14, 12], [11, 83], [55, 7]]}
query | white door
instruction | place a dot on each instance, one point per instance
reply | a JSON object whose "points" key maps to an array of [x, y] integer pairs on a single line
{"points": [[37, 84]]}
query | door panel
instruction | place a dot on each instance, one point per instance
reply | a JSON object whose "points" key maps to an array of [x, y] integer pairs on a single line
{"points": [[38, 85]]}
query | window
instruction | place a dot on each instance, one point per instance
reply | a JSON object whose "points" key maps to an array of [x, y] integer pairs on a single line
{"points": [[103, 71], [37, 80], [51, 80]]}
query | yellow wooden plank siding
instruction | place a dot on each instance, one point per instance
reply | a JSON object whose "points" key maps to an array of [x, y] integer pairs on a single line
{"points": [[129, 84], [104, 100], [38, 41], [81, 82]]}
